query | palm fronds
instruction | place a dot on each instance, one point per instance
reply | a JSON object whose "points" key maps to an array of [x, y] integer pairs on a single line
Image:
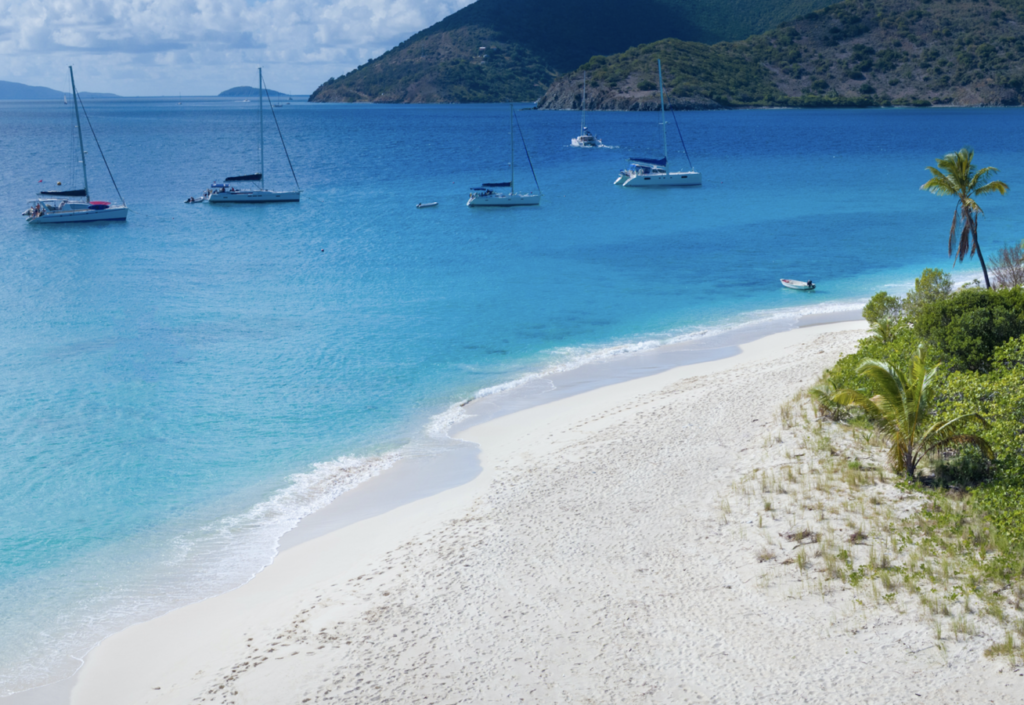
{"points": [[885, 329], [904, 409], [823, 397]]}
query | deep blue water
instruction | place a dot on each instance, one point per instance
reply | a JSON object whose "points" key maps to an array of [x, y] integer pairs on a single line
{"points": [[167, 385]]}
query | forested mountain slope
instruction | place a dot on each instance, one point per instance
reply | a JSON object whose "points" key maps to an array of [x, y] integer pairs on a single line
{"points": [[853, 53], [495, 50]]}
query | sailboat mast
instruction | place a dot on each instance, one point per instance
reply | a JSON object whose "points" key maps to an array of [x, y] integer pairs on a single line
{"points": [[512, 151], [261, 127], [78, 123], [583, 122], [664, 139]]}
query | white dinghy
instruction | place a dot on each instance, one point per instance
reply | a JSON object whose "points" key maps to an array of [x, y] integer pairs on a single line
{"points": [[798, 285]]}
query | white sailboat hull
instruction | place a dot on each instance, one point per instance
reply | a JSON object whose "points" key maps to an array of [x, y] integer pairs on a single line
{"points": [[254, 197], [503, 200], [81, 216], [678, 178]]}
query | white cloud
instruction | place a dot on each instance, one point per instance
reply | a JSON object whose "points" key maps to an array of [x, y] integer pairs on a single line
{"points": [[201, 47]]}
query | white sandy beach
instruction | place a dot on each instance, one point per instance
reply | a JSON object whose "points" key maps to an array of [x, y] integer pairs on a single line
{"points": [[588, 563]]}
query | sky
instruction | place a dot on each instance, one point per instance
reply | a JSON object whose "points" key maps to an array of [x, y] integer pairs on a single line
{"points": [[201, 47]]}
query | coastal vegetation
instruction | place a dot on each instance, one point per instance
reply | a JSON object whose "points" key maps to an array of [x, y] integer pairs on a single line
{"points": [[855, 53], [957, 176], [903, 411], [909, 483]]}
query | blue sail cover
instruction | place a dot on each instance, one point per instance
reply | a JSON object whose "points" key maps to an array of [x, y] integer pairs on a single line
{"points": [[658, 162], [506, 183], [75, 192]]}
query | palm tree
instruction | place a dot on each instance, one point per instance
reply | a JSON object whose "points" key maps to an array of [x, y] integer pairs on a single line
{"points": [[957, 176], [886, 329], [904, 410]]}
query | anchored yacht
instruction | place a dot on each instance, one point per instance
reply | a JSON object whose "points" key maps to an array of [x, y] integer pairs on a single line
{"points": [[650, 172]]}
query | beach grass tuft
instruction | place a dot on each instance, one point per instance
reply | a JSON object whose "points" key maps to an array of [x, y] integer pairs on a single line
{"points": [[895, 541]]}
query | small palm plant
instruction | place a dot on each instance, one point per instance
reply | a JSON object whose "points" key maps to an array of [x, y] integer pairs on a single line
{"points": [[823, 397], [904, 411], [957, 176], [885, 329]]}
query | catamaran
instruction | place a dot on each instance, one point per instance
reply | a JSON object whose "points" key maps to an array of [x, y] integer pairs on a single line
{"points": [[485, 195], [586, 138], [227, 192], [73, 205], [654, 172]]}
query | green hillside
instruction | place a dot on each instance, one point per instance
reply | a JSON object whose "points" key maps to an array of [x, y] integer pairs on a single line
{"points": [[496, 50], [853, 53]]}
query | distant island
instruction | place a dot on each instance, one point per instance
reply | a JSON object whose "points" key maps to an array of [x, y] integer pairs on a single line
{"points": [[780, 53], [493, 50], [20, 91], [248, 92]]}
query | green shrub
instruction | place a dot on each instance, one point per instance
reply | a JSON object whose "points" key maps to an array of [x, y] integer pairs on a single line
{"points": [[999, 396], [967, 469], [1009, 356], [825, 406], [882, 306], [933, 285], [887, 329], [968, 327], [1005, 508]]}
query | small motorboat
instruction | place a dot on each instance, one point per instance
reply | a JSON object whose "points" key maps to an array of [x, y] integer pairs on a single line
{"points": [[426, 205], [800, 286]]}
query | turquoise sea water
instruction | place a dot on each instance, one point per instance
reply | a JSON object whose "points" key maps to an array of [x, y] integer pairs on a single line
{"points": [[176, 391]]}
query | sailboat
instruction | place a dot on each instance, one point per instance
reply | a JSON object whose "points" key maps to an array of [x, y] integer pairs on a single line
{"points": [[654, 172], [73, 205], [227, 192], [586, 138], [485, 195]]}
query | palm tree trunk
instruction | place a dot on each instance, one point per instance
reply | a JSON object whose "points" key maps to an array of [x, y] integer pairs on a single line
{"points": [[984, 269]]}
